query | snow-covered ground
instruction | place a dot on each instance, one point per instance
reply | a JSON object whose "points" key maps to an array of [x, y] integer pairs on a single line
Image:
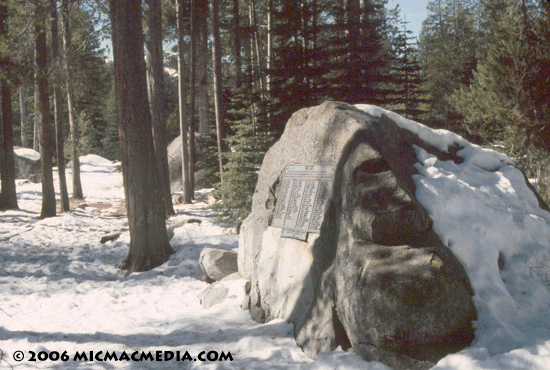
{"points": [[60, 291]]}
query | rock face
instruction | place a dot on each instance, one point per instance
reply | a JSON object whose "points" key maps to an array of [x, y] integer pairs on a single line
{"points": [[174, 165], [27, 164], [376, 278], [217, 263]]}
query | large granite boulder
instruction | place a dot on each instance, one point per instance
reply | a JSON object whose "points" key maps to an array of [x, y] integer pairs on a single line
{"points": [[27, 164], [376, 278], [202, 176]]}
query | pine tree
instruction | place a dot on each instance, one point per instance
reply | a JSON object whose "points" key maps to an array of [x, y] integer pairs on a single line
{"points": [[182, 104], [110, 141], [46, 129], [328, 51], [218, 80], [149, 246], [75, 132], [8, 198], [91, 76], [403, 93], [155, 84], [449, 51], [508, 98], [59, 132], [356, 55], [248, 141], [90, 140], [293, 70]]}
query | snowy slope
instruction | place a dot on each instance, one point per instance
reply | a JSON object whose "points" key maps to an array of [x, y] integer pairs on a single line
{"points": [[60, 290], [482, 208]]}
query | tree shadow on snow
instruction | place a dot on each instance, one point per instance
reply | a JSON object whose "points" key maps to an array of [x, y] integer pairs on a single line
{"points": [[218, 339]]}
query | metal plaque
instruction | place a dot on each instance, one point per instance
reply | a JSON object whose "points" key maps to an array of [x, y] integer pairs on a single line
{"points": [[304, 191]]}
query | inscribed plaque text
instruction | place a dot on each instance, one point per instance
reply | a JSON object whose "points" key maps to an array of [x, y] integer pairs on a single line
{"points": [[302, 197]]}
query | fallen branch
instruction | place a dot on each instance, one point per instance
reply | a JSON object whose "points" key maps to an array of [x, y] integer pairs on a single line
{"points": [[7, 238]]}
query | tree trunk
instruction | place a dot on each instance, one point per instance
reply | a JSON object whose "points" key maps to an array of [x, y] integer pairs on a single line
{"points": [[237, 34], [192, 82], [202, 67], [255, 39], [182, 97], [44, 116], [59, 136], [304, 18], [9, 195], [36, 126], [23, 114], [216, 62], [155, 83], [314, 31], [73, 122], [149, 245], [251, 56], [269, 59], [8, 175]]}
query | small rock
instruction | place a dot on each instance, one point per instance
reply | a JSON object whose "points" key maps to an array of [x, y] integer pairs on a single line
{"points": [[177, 199], [213, 294], [109, 237], [218, 263], [245, 305], [257, 314]]}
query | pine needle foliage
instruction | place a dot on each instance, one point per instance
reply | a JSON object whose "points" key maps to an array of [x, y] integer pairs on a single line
{"points": [[247, 142], [508, 100]]}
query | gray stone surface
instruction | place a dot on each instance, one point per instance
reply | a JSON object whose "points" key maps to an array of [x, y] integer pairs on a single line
{"points": [[26, 168], [213, 294], [174, 165], [377, 278], [231, 286], [218, 263]]}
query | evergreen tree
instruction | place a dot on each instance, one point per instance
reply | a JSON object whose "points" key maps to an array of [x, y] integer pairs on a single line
{"points": [[155, 87], [56, 98], [46, 129], [149, 245], [294, 73], [403, 91], [8, 197], [508, 100], [69, 82], [248, 141], [218, 83], [92, 77], [328, 51], [90, 141], [449, 51], [356, 57], [182, 103], [110, 141]]}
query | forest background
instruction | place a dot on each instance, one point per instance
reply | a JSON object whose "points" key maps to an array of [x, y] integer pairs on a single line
{"points": [[480, 68]]}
